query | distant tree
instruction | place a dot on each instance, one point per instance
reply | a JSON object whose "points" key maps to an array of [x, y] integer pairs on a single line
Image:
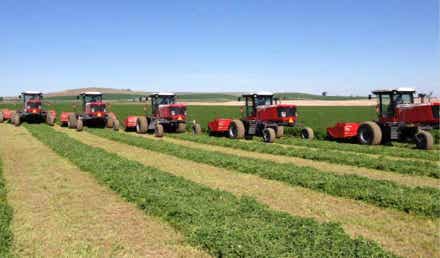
{"points": [[1, 98], [324, 93]]}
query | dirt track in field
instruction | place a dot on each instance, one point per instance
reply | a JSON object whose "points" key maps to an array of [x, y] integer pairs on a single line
{"points": [[398, 232], [60, 211], [408, 180]]}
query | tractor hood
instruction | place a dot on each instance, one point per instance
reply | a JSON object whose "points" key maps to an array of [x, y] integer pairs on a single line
{"points": [[285, 113]]}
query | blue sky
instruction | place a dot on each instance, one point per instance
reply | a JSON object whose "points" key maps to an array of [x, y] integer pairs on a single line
{"points": [[343, 47]]}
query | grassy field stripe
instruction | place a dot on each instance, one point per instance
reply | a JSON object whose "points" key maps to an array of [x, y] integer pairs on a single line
{"points": [[421, 168], [61, 211], [420, 200], [339, 169], [376, 150], [224, 225], [5, 217], [398, 232]]}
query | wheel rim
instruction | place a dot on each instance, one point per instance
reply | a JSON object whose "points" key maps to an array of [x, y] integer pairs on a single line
{"points": [[266, 135], [232, 131], [137, 127], [365, 135], [421, 140]]}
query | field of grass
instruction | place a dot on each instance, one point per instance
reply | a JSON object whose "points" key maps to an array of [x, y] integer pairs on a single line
{"points": [[220, 223], [401, 182], [5, 219]]}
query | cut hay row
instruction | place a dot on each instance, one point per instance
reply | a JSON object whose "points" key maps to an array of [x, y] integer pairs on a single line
{"points": [[5, 218], [216, 221], [338, 169], [61, 211], [398, 232], [392, 151], [420, 200], [411, 167]]}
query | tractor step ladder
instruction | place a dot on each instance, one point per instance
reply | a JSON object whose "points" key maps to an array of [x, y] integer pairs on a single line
{"points": [[252, 127]]}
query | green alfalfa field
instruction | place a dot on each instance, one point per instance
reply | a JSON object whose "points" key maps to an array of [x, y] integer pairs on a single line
{"points": [[292, 198]]}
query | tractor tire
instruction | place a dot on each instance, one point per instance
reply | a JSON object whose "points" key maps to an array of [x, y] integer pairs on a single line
{"points": [[181, 128], [1, 117], [196, 129], [158, 130], [11, 120], [307, 133], [109, 123], [280, 131], [79, 125], [424, 140], [17, 119], [50, 120], [236, 129], [141, 125], [269, 135], [71, 123], [369, 133], [115, 124]]}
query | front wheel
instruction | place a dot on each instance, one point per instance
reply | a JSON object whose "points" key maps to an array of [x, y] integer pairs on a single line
{"points": [[280, 131], [369, 133], [115, 124], [424, 140], [71, 122], [269, 135], [181, 128], [50, 119], [79, 125], [141, 124], [196, 129], [236, 129], [17, 119], [158, 130], [307, 133]]}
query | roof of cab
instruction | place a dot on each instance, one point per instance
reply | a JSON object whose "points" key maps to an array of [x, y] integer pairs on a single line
{"points": [[259, 93], [32, 92], [163, 94], [402, 89], [91, 93]]}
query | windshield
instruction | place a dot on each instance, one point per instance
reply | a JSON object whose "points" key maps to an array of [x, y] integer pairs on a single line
{"points": [[403, 98], [93, 98], [263, 100], [31, 97], [36, 105], [164, 100]]}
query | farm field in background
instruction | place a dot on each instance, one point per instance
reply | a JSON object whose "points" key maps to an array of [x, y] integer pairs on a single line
{"points": [[224, 197]]}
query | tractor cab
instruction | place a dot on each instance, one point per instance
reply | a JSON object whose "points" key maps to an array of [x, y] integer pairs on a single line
{"points": [[91, 102], [164, 106], [32, 101], [388, 100], [255, 100]]}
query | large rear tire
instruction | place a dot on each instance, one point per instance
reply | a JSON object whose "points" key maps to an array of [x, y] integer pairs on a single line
{"points": [[369, 133], [236, 129], [1, 117], [50, 119], [196, 129], [11, 120], [269, 135], [280, 131], [115, 124], [71, 122], [141, 125], [158, 130], [181, 128], [79, 125], [424, 140], [307, 133]]}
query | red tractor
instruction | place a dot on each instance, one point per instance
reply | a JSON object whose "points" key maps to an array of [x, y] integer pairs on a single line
{"points": [[399, 118], [93, 113], [32, 111], [166, 115], [263, 116]]}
